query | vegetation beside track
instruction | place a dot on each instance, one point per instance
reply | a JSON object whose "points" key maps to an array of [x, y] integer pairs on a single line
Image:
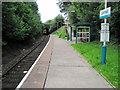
{"points": [[55, 23], [61, 32], [21, 21], [92, 52]]}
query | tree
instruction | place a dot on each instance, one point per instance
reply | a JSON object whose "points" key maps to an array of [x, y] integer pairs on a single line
{"points": [[89, 12], [55, 23], [21, 20]]}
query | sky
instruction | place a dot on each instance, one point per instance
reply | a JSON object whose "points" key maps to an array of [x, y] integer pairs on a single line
{"points": [[48, 9]]}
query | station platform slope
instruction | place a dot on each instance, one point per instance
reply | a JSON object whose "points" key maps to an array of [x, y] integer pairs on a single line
{"points": [[60, 66]]}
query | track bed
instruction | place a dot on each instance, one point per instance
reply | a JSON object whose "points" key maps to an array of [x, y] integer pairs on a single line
{"points": [[14, 75]]}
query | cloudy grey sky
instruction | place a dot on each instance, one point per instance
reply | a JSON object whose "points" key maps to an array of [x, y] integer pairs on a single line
{"points": [[48, 9]]}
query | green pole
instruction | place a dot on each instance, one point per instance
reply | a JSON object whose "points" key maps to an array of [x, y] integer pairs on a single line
{"points": [[70, 33], [76, 35]]}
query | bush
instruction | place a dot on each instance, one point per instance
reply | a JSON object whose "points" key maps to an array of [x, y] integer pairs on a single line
{"points": [[20, 20]]}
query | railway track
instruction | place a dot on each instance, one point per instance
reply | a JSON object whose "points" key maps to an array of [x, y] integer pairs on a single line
{"points": [[13, 73]]}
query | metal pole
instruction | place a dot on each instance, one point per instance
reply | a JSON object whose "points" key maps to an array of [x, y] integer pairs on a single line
{"points": [[105, 21], [67, 33], [57, 25], [70, 33], [89, 34], [76, 35], [104, 44]]}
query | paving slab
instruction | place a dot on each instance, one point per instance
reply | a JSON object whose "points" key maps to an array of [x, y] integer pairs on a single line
{"points": [[74, 77], [68, 69], [37, 77]]}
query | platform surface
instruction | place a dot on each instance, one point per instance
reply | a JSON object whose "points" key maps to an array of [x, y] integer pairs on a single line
{"points": [[68, 69], [60, 66]]}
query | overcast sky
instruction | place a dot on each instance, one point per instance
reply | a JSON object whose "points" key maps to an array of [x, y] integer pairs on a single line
{"points": [[48, 9]]}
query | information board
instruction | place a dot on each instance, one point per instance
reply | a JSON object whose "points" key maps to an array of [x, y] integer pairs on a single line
{"points": [[103, 26], [102, 36]]}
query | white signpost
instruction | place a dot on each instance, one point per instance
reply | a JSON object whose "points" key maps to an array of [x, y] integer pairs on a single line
{"points": [[105, 13]]}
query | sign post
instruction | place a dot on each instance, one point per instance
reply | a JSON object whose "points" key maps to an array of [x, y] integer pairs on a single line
{"points": [[104, 14]]}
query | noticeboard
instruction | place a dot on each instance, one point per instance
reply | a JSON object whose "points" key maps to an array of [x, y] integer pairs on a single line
{"points": [[103, 26], [102, 36]]}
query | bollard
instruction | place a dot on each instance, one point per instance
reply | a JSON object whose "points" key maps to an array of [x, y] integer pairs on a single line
{"points": [[104, 54]]}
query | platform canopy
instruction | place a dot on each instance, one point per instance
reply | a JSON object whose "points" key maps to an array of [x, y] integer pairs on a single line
{"points": [[83, 24]]}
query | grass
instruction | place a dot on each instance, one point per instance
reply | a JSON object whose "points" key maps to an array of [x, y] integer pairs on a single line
{"points": [[92, 52], [61, 33]]}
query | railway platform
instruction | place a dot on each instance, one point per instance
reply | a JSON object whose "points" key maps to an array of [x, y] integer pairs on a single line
{"points": [[60, 66]]}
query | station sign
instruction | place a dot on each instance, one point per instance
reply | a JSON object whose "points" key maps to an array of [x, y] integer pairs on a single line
{"points": [[105, 13]]}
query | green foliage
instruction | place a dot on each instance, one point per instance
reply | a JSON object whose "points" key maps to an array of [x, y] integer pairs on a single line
{"points": [[73, 27], [3, 43], [92, 52], [55, 23], [21, 20], [61, 32], [89, 12]]}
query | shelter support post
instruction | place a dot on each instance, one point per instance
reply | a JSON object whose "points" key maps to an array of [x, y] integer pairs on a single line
{"points": [[76, 35], [70, 34]]}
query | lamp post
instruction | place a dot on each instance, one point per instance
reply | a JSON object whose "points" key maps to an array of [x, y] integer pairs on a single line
{"points": [[71, 28], [70, 36]]}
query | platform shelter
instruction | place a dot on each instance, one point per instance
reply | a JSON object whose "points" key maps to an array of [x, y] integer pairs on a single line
{"points": [[83, 31]]}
